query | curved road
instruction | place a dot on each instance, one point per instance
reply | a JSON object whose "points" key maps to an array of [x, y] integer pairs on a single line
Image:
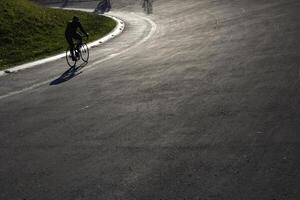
{"points": [[201, 102]]}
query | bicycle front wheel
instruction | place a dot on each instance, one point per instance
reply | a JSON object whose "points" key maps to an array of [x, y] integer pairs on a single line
{"points": [[69, 59], [84, 53]]}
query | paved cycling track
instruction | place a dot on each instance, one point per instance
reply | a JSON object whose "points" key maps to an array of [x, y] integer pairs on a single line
{"points": [[200, 101]]}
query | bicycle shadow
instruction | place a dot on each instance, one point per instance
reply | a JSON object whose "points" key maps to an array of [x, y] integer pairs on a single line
{"points": [[69, 74]]}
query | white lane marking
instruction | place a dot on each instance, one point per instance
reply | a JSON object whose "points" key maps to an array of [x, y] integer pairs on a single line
{"points": [[25, 89], [150, 34], [116, 31], [92, 66]]}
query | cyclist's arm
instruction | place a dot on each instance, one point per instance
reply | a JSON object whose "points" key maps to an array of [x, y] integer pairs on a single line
{"points": [[82, 30]]}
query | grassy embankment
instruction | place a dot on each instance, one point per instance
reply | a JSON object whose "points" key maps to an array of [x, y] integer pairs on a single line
{"points": [[29, 31]]}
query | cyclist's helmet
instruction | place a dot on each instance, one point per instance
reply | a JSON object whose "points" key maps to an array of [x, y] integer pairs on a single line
{"points": [[75, 19]]}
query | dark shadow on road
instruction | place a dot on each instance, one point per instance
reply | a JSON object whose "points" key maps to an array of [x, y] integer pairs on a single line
{"points": [[69, 74]]}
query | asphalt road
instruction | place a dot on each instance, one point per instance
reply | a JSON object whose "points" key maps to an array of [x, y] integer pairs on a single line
{"points": [[200, 103]]}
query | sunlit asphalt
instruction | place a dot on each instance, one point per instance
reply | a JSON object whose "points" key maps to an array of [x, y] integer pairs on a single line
{"points": [[198, 101]]}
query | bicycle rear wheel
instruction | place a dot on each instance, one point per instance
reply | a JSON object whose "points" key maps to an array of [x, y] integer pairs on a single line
{"points": [[69, 59], [84, 52]]}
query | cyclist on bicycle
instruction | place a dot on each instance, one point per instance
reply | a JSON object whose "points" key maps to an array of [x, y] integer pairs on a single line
{"points": [[71, 33]]}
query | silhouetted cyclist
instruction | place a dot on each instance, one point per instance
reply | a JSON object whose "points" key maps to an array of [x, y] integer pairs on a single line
{"points": [[71, 33]]}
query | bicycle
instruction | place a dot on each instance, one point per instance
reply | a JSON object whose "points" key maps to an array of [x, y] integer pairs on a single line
{"points": [[81, 51]]}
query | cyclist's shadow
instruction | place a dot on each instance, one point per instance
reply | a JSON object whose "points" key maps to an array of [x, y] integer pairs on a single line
{"points": [[69, 74]]}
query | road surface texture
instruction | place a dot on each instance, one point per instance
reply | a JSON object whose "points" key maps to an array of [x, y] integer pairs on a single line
{"points": [[198, 102]]}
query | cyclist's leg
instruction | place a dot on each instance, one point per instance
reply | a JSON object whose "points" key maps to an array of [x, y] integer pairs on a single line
{"points": [[78, 38], [71, 45]]}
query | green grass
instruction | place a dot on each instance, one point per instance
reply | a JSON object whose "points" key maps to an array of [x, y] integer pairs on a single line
{"points": [[29, 31]]}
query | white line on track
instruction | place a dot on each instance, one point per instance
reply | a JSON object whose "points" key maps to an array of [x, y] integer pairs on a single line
{"points": [[25, 89], [92, 66], [152, 31]]}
